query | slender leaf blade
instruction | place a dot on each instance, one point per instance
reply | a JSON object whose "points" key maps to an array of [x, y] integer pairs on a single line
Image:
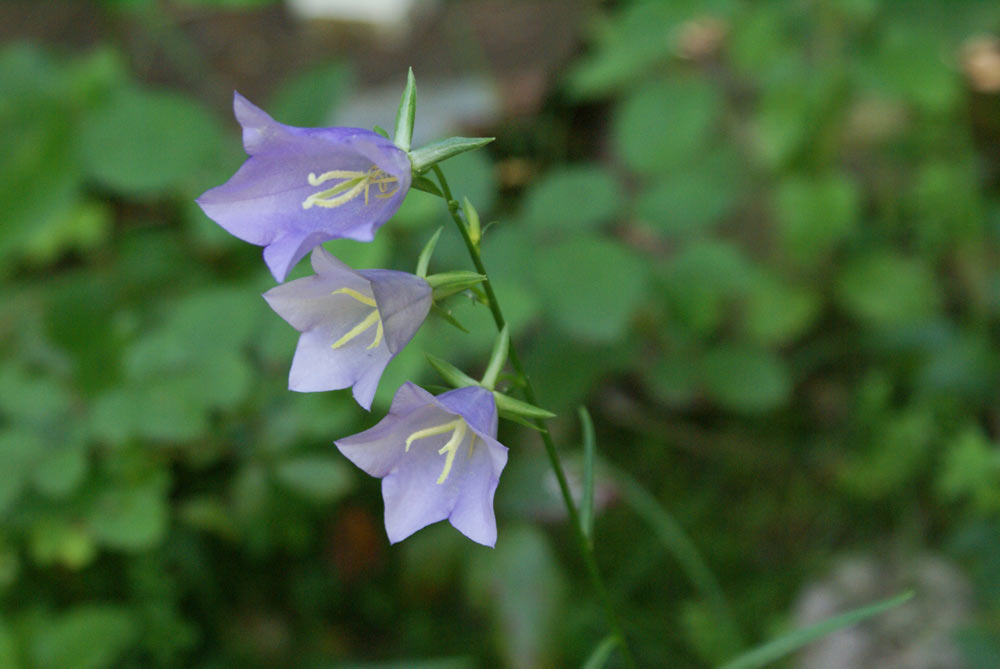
{"points": [[426, 156], [406, 113], [452, 374], [785, 644], [599, 657], [589, 453], [673, 537]]}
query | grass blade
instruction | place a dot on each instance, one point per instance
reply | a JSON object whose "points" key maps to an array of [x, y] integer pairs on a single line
{"points": [[589, 454], [783, 645], [678, 544], [601, 653]]}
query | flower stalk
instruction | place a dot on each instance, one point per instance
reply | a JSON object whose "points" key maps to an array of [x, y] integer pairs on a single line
{"points": [[584, 544]]}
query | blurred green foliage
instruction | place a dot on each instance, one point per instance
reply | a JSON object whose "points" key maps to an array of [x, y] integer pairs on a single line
{"points": [[775, 280]]}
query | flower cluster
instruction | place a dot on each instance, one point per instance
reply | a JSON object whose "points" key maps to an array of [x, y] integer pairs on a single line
{"points": [[438, 457]]}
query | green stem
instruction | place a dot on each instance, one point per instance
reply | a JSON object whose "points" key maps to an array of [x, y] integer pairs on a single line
{"points": [[585, 545]]}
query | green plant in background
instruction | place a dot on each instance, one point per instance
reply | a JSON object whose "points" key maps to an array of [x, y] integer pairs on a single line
{"points": [[789, 231]]}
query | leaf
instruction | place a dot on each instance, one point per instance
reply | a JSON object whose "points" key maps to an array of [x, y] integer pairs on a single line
{"points": [[58, 541], [62, 468], [143, 142], [424, 259], [87, 637], [971, 470], [589, 451], [521, 585], [131, 517], [777, 311], [498, 358], [680, 546], [308, 99], [908, 63], [406, 113], [322, 478], [9, 654], [32, 398], [784, 645], [790, 114], [665, 123], [597, 304], [573, 199], [635, 38], [426, 156], [452, 374], [746, 379], [599, 657], [42, 176], [688, 201], [700, 281], [19, 449], [884, 289], [815, 214], [508, 406]]}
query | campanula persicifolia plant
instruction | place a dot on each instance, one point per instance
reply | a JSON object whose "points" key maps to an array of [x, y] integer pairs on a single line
{"points": [[438, 456]]}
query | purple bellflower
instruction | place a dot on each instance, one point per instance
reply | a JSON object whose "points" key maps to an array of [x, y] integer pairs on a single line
{"points": [[438, 458], [352, 323], [303, 186]]}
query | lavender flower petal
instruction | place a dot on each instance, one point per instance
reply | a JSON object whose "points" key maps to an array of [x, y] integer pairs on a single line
{"points": [[303, 186], [438, 458], [348, 334]]}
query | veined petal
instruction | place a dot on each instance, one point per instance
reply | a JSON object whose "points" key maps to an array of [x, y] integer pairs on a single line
{"points": [[303, 186], [345, 337], [433, 466], [403, 301]]}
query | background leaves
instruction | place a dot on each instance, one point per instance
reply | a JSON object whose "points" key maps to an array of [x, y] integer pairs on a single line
{"points": [[759, 240]]}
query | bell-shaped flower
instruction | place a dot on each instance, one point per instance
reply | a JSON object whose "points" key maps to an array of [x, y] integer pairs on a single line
{"points": [[303, 186], [352, 322], [438, 458]]}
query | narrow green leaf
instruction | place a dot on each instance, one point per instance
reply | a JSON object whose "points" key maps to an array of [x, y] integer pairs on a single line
{"points": [[452, 374], [678, 544], [472, 218], [783, 645], [406, 113], [514, 418], [498, 358], [447, 284], [426, 156], [589, 450], [599, 657], [426, 185], [464, 277], [446, 315], [510, 405], [428, 251]]}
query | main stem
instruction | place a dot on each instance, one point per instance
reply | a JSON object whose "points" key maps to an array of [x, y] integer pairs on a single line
{"points": [[585, 545]]}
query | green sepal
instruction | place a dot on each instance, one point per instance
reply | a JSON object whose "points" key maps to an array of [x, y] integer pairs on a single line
{"points": [[452, 374], [498, 358], [379, 130], [508, 405], [446, 284], [426, 185], [514, 418], [446, 315], [472, 220], [426, 253], [406, 113], [425, 157]]}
